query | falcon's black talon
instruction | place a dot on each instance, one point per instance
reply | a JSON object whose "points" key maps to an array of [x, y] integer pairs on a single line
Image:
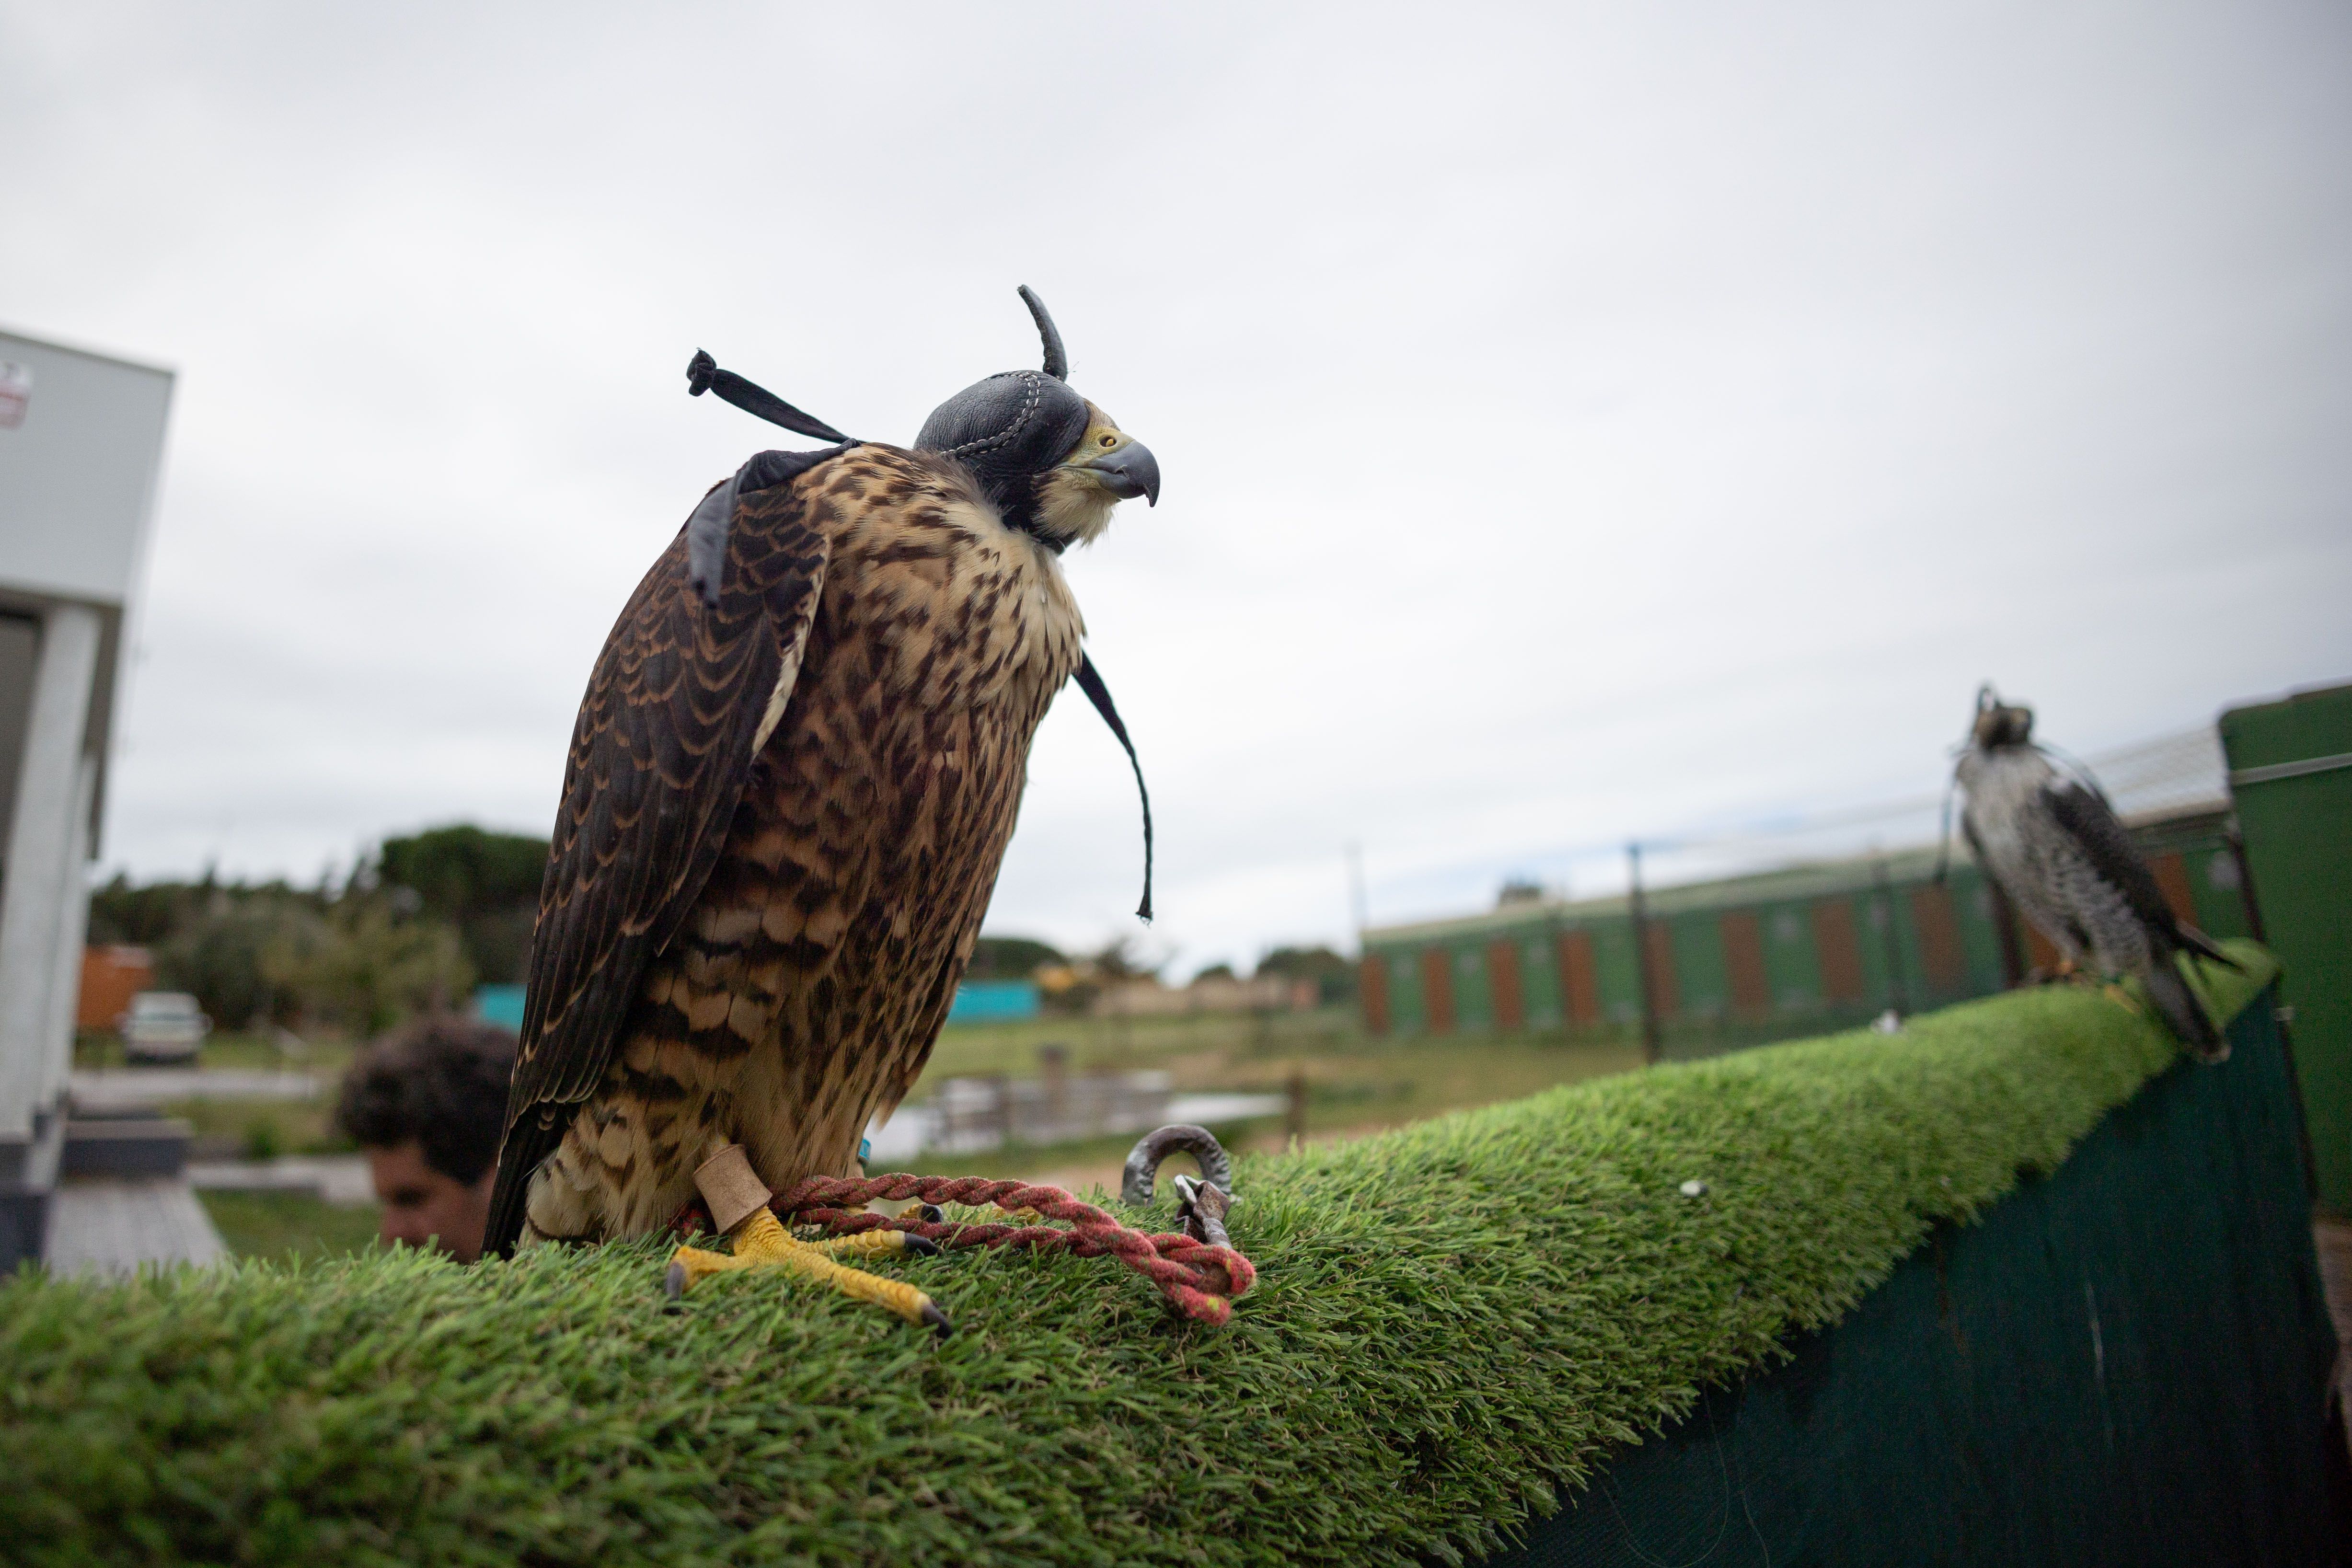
{"points": [[933, 1215], [938, 1321], [920, 1246], [674, 1282]]}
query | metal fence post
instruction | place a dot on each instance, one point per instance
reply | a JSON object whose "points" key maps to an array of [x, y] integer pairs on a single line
{"points": [[1653, 1042]]}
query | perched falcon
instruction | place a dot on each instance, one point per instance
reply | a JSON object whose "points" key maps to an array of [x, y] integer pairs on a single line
{"points": [[2053, 844], [789, 790]]}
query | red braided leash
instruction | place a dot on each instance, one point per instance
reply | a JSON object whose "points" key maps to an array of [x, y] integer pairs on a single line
{"points": [[1199, 1281]]}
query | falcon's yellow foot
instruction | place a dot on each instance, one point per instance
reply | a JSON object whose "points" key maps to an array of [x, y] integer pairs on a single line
{"points": [[762, 1243], [877, 1243], [2120, 998]]}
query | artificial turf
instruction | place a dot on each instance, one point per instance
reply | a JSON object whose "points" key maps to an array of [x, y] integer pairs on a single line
{"points": [[1452, 1322]]}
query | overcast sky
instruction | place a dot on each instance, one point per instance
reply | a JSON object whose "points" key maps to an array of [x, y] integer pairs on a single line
{"points": [[1576, 422]]}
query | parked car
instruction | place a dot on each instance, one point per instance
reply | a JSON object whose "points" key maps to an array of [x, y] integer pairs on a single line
{"points": [[162, 1027]]}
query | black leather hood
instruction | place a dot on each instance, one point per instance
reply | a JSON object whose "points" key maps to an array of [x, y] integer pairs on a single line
{"points": [[1019, 423]]}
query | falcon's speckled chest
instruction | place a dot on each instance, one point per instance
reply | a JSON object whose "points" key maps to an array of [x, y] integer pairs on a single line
{"points": [[804, 990]]}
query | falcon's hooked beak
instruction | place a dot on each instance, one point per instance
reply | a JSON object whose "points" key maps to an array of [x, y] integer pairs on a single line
{"points": [[1126, 468], [1107, 466]]}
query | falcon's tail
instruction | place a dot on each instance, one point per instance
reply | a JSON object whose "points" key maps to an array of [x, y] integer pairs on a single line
{"points": [[2197, 942], [2183, 1013]]}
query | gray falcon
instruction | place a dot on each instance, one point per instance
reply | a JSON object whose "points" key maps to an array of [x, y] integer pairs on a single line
{"points": [[2053, 844]]}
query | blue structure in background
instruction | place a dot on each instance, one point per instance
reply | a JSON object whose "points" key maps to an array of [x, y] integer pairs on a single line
{"points": [[978, 1002], [499, 1004]]}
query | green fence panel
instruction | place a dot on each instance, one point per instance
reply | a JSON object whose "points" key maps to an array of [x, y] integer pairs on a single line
{"points": [[2216, 889], [1979, 934], [1791, 965], [1474, 998], [1620, 972], [1540, 978], [2289, 774], [1702, 985], [1884, 972], [1408, 1012], [2123, 1362]]}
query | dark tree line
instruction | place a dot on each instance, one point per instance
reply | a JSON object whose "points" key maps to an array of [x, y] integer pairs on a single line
{"points": [[427, 917], [485, 884], [415, 925]]}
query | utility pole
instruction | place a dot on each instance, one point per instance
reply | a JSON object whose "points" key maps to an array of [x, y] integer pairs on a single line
{"points": [[1651, 1039], [1898, 993], [1356, 892]]}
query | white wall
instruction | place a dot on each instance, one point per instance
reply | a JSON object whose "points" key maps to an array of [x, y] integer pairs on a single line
{"points": [[43, 896], [78, 474]]}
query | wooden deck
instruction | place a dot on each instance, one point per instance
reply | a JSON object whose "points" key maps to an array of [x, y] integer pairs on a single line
{"points": [[116, 1228]]}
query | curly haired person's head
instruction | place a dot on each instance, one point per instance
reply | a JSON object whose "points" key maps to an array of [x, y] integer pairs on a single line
{"points": [[427, 1105]]}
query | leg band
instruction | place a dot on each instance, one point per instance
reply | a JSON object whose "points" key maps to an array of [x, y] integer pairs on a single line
{"points": [[729, 1186]]}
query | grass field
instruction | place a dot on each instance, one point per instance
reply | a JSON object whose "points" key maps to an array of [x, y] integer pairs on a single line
{"points": [[290, 1225], [1453, 1320], [1355, 1083], [263, 1129], [328, 1055]]}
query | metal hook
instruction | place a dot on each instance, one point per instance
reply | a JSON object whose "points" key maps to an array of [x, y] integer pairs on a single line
{"points": [[1201, 1210], [1201, 1205]]}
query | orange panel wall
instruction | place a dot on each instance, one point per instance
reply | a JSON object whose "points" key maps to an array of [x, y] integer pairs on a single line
{"points": [[1840, 951], [1437, 989], [1580, 978], [1372, 986], [1941, 950], [1743, 962], [1664, 994], [110, 977], [1504, 986], [2173, 880]]}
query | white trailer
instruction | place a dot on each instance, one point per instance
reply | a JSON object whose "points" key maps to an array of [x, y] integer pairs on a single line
{"points": [[81, 441]]}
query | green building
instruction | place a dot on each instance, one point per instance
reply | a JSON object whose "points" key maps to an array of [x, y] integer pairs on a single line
{"points": [[1756, 958]]}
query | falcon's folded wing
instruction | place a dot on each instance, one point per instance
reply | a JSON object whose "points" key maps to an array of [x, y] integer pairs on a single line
{"points": [[664, 742], [2089, 821]]}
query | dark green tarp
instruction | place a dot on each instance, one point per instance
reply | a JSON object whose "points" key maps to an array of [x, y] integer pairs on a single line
{"points": [[2126, 1362]]}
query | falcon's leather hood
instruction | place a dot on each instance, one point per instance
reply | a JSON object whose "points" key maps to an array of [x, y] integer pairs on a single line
{"points": [[1016, 423]]}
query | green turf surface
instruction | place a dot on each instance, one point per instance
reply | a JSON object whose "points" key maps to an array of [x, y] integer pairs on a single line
{"points": [[1453, 1321]]}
